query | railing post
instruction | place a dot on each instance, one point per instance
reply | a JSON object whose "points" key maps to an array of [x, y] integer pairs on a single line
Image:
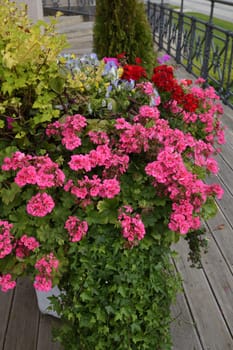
{"points": [[208, 39], [191, 45], [161, 25], [148, 10], [151, 10], [180, 33], [169, 33]]}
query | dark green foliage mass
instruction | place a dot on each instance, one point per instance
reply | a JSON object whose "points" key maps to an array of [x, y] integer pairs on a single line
{"points": [[122, 26], [117, 298]]}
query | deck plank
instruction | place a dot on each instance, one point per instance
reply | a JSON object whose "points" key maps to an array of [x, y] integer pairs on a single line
{"points": [[45, 340], [227, 153], [220, 279], [225, 173], [183, 330], [213, 331], [5, 307], [222, 233], [225, 202], [24, 317]]}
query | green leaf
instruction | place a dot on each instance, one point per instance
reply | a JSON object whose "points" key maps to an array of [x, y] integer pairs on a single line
{"points": [[109, 208], [159, 201], [209, 209], [121, 291], [85, 296], [8, 195], [20, 135], [57, 85]]}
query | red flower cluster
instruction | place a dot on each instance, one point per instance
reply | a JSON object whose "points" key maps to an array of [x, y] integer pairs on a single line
{"points": [[131, 71], [163, 77], [121, 55], [165, 81], [134, 72]]}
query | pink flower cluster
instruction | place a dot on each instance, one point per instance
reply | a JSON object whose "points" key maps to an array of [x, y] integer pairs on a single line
{"points": [[40, 171], [93, 187], [17, 161], [210, 113], [6, 238], [8, 245], [149, 89], [37, 170], [160, 134], [40, 205], [186, 191], [134, 138], [132, 226], [24, 245], [99, 137], [46, 266], [6, 282], [76, 228], [102, 156], [69, 130]]}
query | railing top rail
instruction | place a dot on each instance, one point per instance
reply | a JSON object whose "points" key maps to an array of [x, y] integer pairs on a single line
{"points": [[223, 2]]}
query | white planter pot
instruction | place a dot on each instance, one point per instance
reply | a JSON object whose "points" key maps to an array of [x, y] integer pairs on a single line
{"points": [[44, 302]]}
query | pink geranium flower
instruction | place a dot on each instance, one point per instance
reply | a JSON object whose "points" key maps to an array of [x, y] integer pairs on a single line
{"points": [[40, 205]]}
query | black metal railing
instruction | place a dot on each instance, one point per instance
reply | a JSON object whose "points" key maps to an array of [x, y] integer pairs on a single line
{"points": [[203, 48], [70, 7]]}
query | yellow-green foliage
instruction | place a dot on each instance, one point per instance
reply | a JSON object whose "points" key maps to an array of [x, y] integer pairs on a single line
{"points": [[29, 74]]}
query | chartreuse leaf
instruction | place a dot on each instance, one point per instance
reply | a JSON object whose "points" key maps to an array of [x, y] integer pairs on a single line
{"points": [[57, 84], [20, 135]]}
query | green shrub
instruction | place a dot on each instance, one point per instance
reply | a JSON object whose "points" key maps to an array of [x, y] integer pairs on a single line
{"points": [[117, 297], [122, 26], [30, 78]]}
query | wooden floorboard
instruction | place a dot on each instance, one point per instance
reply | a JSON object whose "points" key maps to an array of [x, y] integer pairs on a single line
{"points": [[212, 328], [23, 324], [6, 300], [222, 233], [183, 328], [220, 279], [45, 339], [226, 203]]}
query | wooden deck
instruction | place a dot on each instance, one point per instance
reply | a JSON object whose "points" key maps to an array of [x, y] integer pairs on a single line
{"points": [[203, 314]]}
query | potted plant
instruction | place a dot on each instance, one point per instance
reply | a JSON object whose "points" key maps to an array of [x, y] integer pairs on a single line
{"points": [[102, 170]]}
